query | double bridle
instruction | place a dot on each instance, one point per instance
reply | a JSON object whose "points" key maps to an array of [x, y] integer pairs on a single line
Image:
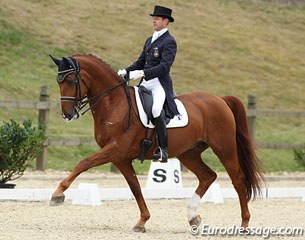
{"points": [[79, 101]]}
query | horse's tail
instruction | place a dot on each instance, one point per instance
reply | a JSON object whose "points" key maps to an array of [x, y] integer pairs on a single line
{"points": [[247, 158]]}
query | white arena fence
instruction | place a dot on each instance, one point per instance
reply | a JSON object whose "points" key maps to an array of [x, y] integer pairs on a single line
{"points": [[164, 181]]}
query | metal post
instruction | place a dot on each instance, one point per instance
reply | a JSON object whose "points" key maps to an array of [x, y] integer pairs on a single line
{"points": [[252, 115]]}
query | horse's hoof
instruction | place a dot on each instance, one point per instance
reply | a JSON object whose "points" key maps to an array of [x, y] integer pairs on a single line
{"points": [[195, 221], [57, 200], [140, 229]]}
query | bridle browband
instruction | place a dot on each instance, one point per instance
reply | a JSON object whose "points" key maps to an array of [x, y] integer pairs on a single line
{"points": [[79, 101]]}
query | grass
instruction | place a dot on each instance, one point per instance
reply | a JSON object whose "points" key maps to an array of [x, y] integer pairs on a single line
{"points": [[224, 47]]}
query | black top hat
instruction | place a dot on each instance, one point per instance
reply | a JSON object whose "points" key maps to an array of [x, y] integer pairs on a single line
{"points": [[163, 12]]}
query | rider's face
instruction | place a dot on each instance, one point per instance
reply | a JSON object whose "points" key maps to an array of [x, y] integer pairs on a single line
{"points": [[159, 23]]}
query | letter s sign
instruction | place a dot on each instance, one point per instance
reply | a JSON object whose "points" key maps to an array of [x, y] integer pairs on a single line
{"points": [[176, 176], [160, 175]]}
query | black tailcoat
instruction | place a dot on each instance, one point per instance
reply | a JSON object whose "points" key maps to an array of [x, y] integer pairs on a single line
{"points": [[156, 60]]}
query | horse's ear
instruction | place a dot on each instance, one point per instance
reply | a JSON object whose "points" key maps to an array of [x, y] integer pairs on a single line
{"points": [[69, 63], [55, 60], [66, 61]]}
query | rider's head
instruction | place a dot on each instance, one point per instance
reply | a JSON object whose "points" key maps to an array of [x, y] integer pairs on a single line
{"points": [[161, 17]]}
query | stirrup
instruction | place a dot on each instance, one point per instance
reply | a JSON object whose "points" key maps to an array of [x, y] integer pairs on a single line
{"points": [[160, 156]]}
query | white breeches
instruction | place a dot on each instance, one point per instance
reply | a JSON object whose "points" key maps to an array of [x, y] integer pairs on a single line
{"points": [[158, 94]]}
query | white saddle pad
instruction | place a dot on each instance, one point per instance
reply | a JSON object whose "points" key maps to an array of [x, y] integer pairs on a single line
{"points": [[178, 121]]}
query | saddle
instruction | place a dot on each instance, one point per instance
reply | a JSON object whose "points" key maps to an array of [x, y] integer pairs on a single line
{"points": [[147, 103], [144, 100]]}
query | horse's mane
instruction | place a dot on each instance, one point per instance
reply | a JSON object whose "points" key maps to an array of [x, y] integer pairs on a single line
{"points": [[100, 61]]}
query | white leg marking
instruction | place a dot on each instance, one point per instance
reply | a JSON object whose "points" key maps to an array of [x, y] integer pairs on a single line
{"points": [[192, 206]]}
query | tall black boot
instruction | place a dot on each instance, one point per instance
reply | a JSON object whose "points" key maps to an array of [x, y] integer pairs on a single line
{"points": [[161, 154]]}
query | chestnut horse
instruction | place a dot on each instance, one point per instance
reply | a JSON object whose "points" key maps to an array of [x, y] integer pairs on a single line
{"points": [[215, 122]]}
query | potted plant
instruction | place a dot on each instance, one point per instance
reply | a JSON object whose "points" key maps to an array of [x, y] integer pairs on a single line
{"points": [[18, 146]]}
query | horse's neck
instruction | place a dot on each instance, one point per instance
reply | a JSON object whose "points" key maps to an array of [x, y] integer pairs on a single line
{"points": [[110, 107]]}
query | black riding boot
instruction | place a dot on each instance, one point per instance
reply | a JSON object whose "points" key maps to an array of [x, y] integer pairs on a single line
{"points": [[161, 154]]}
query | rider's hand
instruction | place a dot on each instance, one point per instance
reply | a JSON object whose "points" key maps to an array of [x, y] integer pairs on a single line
{"points": [[122, 72], [136, 74]]}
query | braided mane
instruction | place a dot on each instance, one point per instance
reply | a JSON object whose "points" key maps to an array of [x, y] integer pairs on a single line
{"points": [[100, 61]]}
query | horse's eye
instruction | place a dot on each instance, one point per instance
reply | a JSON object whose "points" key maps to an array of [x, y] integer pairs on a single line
{"points": [[70, 82]]}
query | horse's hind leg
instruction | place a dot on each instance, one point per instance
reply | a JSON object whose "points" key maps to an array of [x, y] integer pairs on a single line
{"points": [[192, 160], [230, 162], [127, 170]]}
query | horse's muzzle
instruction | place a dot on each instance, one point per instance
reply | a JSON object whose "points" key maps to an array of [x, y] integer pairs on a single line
{"points": [[71, 115]]}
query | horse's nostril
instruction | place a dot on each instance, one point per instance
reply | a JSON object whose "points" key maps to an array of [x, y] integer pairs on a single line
{"points": [[67, 116], [70, 115]]}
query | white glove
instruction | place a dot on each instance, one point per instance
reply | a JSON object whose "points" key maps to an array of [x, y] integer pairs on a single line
{"points": [[136, 74], [122, 72]]}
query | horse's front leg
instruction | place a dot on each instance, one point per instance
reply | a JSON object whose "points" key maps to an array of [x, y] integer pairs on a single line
{"points": [[107, 154], [127, 170]]}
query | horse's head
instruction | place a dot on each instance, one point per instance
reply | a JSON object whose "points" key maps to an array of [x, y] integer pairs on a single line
{"points": [[73, 88]]}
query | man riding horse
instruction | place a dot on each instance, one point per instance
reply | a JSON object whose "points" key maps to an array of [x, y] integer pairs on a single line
{"points": [[153, 67], [223, 129]]}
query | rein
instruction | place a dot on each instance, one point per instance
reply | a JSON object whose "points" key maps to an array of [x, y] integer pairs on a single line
{"points": [[99, 96]]}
